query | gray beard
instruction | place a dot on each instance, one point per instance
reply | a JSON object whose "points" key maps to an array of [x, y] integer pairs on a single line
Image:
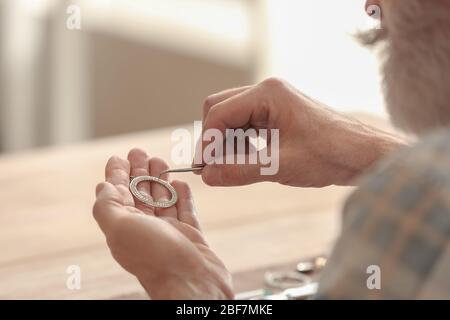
{"points": [[414, 49]]}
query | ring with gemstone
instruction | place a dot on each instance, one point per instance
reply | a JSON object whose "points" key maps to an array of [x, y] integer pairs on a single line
{"points": [[147, 200]]}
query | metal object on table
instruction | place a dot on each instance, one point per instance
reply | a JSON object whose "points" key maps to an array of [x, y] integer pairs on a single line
{"points": [[300, 284], [284, 280], [304, 292], [253, 294], [313, 265]]}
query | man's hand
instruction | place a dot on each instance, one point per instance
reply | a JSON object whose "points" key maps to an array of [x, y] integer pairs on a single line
{"points": [[164, 247], [317, 146]]}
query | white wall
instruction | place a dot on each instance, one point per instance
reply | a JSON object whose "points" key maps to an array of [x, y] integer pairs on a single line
{"points": [[311, 45]]}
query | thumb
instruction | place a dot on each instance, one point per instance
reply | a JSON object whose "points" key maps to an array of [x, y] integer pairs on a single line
{"points": [[227, 175]]}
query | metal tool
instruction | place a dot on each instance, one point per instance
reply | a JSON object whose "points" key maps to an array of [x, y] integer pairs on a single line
{"points": [[289, 285], [190, 169], [304, 292]]}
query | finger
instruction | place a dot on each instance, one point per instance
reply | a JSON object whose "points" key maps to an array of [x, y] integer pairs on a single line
{"points": [[117, 172], [240, 111], [200, 159], [185, 204], [139, 162], [250, 170], [227, 175], [234, 150], [241, 166], [235, 112], [125, 194], [210, 102], [108, 207], [159, 192], [216, 98], [237, 143]]}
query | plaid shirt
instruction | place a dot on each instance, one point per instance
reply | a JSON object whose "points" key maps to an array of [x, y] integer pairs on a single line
{"points": [[399, 221]]}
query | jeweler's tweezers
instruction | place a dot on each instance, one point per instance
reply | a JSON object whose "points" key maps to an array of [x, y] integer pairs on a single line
{"points": [[190, 169]]}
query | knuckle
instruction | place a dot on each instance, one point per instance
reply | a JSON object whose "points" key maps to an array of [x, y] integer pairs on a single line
{"points": [[212, 118], [212, 111], [208, 104]]}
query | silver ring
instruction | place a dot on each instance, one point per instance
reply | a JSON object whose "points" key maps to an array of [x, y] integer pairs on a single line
{"points": [[146, 199]]}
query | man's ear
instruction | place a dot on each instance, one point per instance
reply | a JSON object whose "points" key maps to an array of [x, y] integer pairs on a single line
{"points": [[369, 4]]}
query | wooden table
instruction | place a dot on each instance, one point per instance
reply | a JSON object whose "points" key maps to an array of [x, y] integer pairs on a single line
{"points": [[46, 223]]}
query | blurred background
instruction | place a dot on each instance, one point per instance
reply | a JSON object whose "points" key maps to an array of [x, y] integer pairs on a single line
{"points": [[142, 64]]}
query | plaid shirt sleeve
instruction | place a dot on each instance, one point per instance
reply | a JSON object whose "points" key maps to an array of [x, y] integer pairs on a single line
{"points": [[398, 221]]}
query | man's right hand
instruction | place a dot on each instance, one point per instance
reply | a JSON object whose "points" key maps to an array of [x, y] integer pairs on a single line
{"points": [[317, 146]]}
